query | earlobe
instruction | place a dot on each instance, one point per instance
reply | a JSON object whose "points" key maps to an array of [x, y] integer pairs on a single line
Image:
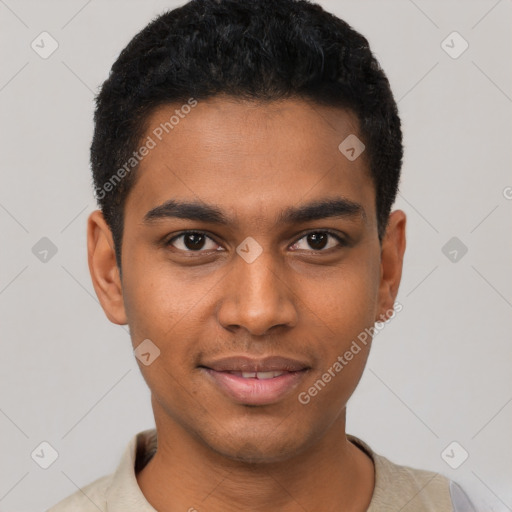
{"points": [[392, 255], [103, 268]]}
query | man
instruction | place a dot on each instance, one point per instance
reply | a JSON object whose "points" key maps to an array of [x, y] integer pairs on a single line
{"points": [[246, 157]]}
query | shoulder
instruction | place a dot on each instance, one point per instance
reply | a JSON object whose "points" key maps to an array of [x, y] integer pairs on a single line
{"points": [[90, 498], [118, 490], [409, 489]]}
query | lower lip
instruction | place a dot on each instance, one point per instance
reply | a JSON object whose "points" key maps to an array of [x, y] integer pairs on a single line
{"points": [[255, 391]]}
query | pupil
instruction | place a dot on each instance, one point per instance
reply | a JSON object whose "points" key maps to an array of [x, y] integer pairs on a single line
{"points": [[194, 241], [317, 240]]}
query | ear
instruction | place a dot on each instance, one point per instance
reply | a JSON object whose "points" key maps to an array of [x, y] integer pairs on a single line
{"points": [[392, 255], [103, 268]]}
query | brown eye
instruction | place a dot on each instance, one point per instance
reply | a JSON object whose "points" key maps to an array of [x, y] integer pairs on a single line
{"points": [[192, 241], [318, 241]]}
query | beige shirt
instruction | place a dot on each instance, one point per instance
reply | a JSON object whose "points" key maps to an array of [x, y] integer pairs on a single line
{"points": [[397, 488]]}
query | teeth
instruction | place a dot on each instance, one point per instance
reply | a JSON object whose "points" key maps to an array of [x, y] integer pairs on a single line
{"points": [[261, 375], [268, 375]]}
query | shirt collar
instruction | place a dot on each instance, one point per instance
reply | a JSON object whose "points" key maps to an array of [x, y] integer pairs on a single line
{"points": [[124, 493]]}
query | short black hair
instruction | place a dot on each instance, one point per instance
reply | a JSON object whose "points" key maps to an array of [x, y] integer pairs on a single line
{"points": [[248, 49]]}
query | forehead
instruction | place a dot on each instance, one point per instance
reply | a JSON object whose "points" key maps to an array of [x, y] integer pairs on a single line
{"points": [[249, 157]]}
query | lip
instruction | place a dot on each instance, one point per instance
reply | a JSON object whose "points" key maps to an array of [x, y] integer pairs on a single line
{"points": [[250, 364], [254, 391]]}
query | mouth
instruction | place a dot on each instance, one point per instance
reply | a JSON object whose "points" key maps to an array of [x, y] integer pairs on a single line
{"points": [[249, 381], [258, 375]]}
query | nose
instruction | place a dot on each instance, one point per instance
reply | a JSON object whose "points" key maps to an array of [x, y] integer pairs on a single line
{"points": [[257, 297]]}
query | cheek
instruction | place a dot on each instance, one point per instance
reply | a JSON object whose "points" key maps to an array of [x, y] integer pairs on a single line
{"points": [[343, 312], [345, 301], [343, 305], [159, 308], [158, 300], [169, 309]]}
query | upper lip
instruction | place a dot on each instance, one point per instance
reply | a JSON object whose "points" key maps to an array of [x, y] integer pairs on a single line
{"points": [[249, 364]]}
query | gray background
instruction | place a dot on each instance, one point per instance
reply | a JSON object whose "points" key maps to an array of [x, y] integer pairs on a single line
{"points": [[438, 373]]}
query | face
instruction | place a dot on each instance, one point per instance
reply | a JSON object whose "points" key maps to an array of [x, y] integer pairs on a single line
{"points": [[251, 260]]}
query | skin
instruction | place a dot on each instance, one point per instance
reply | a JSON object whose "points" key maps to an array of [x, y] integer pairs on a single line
{"points": [[252, 160]]}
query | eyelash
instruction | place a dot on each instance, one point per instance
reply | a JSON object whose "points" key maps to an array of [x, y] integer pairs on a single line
{"points": [[342, 242]]}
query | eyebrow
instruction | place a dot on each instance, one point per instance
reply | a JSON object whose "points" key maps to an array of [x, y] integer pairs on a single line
{"points": [[338, 207]]}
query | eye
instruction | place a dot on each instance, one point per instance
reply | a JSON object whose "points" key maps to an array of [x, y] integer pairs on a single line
{"points": [[319, 241], [193, 241], [197, 241]]}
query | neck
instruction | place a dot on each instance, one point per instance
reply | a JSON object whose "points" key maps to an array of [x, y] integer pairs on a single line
{"points": [[185, 474]]}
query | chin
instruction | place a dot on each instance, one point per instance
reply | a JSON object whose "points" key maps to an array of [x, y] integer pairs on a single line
{"points": [[251, 453], [259, 447]]}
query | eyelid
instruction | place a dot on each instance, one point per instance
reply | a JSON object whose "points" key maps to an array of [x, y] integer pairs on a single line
{"points": [[169, 241], [342, 240]]}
